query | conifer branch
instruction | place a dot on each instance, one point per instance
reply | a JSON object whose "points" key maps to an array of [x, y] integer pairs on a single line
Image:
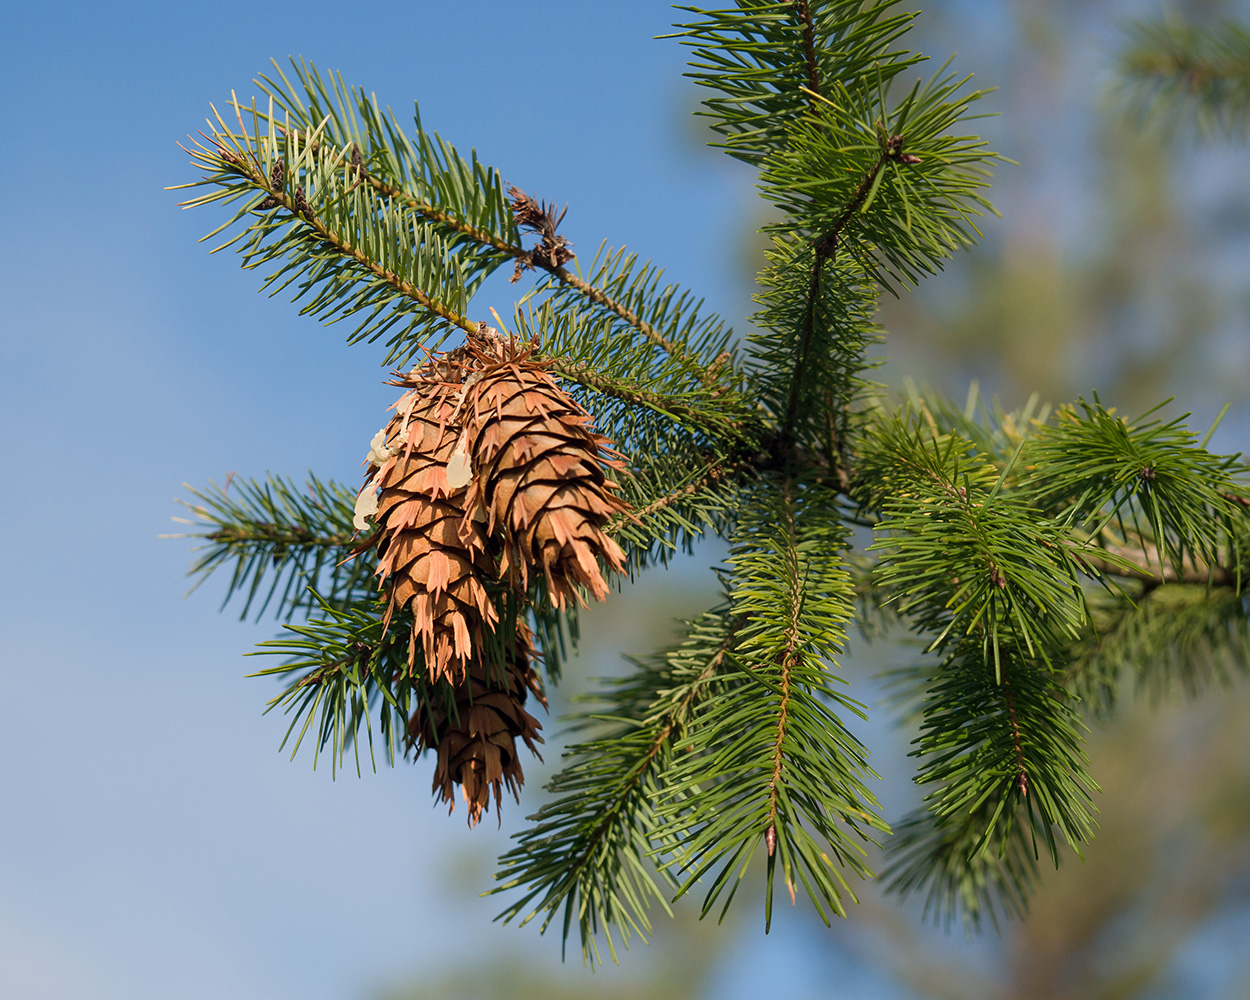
{"points": [[711, 417], [967, 873], [827, 244], [523, 257], [709, 476], [344, 665], [785, 661], [796, 595], [273, 531], [446, 219], [749, 56], [826, 247], [989, 527], [434, 214], [1004, 752], [584, 852], [1022, 773], [297, 204], [1142, 564], [601, 298], [675, 498], [1168, 639], [279, 536], [669, 722]]}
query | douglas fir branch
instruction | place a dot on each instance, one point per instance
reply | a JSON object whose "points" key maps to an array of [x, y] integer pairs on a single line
{"points": [[1050, 559]]}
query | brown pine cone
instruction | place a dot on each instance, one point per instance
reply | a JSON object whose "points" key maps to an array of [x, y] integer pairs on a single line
{"points": [[475, 737]]}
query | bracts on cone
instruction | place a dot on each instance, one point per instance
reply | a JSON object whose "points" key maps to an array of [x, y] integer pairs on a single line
{"points": [[489, 476]]}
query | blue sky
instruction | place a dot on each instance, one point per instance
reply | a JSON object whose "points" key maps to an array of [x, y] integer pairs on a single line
{"points": [[153, 842]]}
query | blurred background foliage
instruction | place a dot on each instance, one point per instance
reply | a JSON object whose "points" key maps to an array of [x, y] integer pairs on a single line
{"points": [[1121, 263]]}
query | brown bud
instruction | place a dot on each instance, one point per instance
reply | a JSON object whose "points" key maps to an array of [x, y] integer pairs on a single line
{"points": [[301, 203]]}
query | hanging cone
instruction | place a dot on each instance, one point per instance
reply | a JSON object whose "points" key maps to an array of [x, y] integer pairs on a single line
{"points": [[488, 470], [434, 560], [475, 734], [539, 479]]}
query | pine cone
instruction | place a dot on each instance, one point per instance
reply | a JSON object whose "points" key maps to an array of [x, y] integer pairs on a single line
{"points": [[487, 468], [475, 734], [538, 476], [435, 559]]}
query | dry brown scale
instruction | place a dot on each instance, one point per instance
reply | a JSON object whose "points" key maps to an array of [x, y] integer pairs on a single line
{"points": [[488, 473]]}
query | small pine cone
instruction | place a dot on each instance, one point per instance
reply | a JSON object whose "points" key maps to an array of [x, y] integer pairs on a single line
{"points": [[539, 477], [475, 735], [433, 558]]}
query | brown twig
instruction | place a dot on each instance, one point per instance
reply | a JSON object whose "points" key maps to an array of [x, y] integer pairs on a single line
{"points": [[601, 298], [710, 475], [1022, 773], [826, 247], [786, 661], [522, 256], [810, 64]]}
